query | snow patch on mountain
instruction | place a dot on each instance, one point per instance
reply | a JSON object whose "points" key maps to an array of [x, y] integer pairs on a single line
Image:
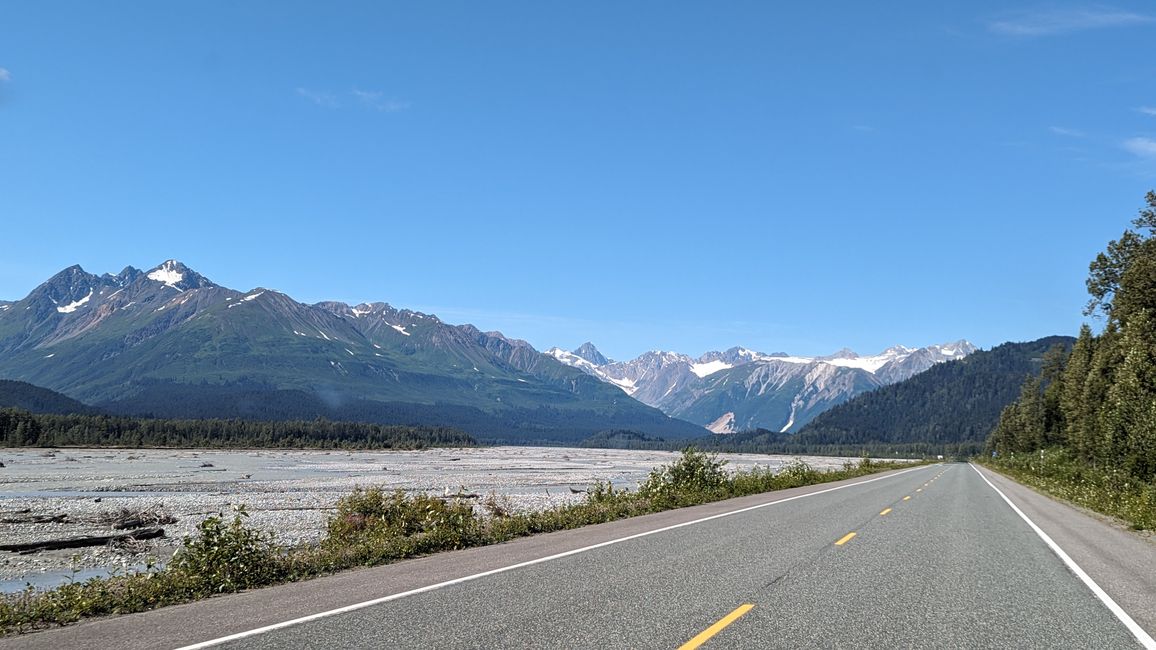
{"points": [[73, 306], [573, 360], [709, 368], [248, 298], [870, 364], [628, 386], [786, 358]]}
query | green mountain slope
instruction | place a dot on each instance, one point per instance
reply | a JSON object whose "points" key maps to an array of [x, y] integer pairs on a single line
{"points": [[952, 403], [169, 342]]}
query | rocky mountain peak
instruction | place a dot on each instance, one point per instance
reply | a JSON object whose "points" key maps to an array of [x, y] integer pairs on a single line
{"points": [[845, 353], [68, 287], [590, 353], [732, 356], [124, 278], [960, 348], [175, 275]]}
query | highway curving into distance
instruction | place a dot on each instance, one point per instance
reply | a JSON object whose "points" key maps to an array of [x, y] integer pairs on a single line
{"points": [[940, 556]]}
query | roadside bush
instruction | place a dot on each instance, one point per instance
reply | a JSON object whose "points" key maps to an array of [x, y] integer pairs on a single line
{"points": [[603, 493], [1110, 491], [383, 524], [694, 477], [228, 556]]}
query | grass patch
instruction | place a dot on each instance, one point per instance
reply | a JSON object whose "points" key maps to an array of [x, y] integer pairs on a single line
{"points": [[373, 527], [1109, 491]]}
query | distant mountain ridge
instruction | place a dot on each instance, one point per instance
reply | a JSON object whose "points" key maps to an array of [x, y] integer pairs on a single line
{"points": [[739, 389], [165, 341]]}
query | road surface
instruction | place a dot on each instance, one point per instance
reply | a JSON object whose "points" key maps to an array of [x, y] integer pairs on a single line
{"points": [[932, 557]]}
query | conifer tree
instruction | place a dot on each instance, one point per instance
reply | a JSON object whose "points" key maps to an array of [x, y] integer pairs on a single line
{"points": [[1075, 412], [1130, 410]]}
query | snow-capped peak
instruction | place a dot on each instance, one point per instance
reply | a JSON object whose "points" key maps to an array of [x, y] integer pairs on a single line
{"points": [[958, 349], [168, 274], [177, 276]]}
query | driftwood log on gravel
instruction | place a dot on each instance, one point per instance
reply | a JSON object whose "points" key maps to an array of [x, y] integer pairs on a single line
{"points": [[35, 519], [81, 542]]}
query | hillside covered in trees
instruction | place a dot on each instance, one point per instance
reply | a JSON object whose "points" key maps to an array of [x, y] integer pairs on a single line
{"points": [[1097, 403], [950, 408], [22, 395]]}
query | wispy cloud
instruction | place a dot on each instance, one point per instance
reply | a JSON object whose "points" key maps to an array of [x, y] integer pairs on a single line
{"points": [[378, 101], [1147, 110], [1065, 21], [1143, 147], [5, 75], [323, 99], [375, 100], [1069, 133]]}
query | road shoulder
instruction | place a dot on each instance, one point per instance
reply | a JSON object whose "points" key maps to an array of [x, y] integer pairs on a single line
{"points": [[1120, 560]]}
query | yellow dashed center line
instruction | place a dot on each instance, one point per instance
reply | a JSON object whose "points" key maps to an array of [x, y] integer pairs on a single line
{"points": [[907, 498], [918, 489], [885, 511], [846, 538], [706, 634]]}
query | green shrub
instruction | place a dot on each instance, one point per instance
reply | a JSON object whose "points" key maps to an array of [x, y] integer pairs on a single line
{"points": [[228, 556], [798, 473], [383, 525], [603, 493], [1108, 490], [695, 476]]}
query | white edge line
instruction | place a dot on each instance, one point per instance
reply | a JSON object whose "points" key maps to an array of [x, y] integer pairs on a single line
{"points": [[447, 583], [1143, 637]]}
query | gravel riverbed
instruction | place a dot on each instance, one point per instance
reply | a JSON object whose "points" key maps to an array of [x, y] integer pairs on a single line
{"points": [[289, 492]]}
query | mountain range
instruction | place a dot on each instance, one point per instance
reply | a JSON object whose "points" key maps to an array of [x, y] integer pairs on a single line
{"points": [[740, 389], [169, 342]]}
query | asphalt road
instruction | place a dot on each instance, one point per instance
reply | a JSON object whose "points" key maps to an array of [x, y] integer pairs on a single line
{"points": [[930, 557]]}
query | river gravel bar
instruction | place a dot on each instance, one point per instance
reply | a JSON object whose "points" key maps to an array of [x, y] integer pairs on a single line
{"points": [[289, 492]]}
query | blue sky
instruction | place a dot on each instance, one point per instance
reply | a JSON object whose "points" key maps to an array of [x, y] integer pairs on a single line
{"points": [[684, 176]]}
